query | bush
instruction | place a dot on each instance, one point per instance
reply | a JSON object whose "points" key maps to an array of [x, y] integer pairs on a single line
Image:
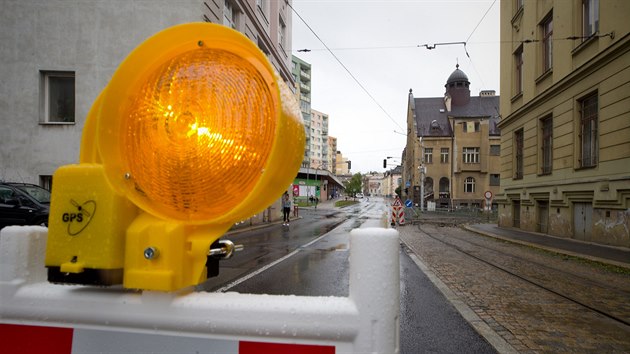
{"points": [[343, 203]]}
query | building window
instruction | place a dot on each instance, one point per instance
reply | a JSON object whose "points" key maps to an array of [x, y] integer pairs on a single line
{"points": [[518, 71], [444, 155], [229, 14], [495, 150], [470, 127], [428, 188], [469, 185], [546, 127], [471, 155], [444, 188], [547, 43], [518, 154], [590, 17], [495, 179], [282, 30], [428, 155], [305, 106], [588, 131], [57, 99], [263, 6], [45, 181]]}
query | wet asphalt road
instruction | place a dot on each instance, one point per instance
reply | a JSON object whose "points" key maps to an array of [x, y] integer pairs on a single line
{"points": [[311, 258]]}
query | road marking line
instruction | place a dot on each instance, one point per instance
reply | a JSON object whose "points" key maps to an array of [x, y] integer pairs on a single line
{"points": [[264, 268]]}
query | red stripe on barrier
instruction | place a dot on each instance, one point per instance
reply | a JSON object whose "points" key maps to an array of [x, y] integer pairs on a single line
{"points": [[33, 339], [278, 348]]}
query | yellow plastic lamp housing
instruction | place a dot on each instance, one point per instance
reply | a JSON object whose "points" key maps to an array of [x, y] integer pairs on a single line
{"points": [[192, 123], [197, 131]]}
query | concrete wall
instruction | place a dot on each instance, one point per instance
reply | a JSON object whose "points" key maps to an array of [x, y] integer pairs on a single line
{"points": [[89, 38]]}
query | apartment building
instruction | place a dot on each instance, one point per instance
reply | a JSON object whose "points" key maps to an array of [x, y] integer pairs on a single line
{"points": [[331, 156], [452, 155], [301, 72], [343, 165], [319, 140], [565, 127], [58, 56]]}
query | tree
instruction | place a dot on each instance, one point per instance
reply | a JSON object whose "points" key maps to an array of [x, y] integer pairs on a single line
{"points": [[354, 185]]}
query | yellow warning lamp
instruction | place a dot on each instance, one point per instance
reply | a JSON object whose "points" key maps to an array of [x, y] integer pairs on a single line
{"points": [[194, 132]]}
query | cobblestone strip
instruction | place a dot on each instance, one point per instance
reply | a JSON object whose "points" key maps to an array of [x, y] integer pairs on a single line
{"points": [[499, 344], [528, 318]]}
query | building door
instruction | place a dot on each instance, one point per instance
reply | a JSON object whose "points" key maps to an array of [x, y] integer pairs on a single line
{"points": [[516, 213], [543, 216], [582, 221]]}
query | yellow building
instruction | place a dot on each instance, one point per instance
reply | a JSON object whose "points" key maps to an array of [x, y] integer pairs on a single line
{"points": [[453, 144], [342, 167], [565, 129]]}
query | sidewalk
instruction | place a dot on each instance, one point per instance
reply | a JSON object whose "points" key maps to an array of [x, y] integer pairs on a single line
{"points": [[617, 256]]}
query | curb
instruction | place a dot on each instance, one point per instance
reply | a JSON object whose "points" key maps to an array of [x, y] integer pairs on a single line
{"points": [[478, 324], [549, 249]]}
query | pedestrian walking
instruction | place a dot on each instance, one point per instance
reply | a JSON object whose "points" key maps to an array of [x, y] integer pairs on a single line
{"points": [[286, 208]]}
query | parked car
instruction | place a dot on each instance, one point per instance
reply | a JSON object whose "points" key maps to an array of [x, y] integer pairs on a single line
{"points": [[23, 204]]}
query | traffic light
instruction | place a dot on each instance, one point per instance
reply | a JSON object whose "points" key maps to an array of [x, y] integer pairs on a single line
{"points": [[194, 132], [384, 163], [349, 165]]}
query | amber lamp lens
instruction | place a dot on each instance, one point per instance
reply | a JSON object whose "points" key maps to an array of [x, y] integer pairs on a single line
{"points": [[198, 134]]}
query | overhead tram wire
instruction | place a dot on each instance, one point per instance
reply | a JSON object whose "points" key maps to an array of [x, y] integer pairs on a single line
{"points": [[345, 68], [480, 21], [471, 34], [434, 45]]}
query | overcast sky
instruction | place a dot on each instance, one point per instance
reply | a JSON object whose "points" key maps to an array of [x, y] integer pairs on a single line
{"points": [[378, 42]]}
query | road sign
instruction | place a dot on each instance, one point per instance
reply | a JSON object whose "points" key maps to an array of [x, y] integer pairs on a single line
{"points": [[488, 195], [408, 203], [397, 203], [401, 217]]}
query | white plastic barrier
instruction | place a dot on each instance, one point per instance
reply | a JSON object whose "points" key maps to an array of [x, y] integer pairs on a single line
{"points": [[118, 320]]}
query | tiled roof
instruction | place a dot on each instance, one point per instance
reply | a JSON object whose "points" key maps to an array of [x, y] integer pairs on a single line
{"points": [[432, 109]]}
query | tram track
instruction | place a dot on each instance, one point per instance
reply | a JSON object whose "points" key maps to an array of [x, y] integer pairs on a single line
{"points": [[534, 273]]}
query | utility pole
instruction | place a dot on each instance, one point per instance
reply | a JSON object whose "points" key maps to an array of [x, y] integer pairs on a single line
{"points": [[422, 171]]}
